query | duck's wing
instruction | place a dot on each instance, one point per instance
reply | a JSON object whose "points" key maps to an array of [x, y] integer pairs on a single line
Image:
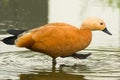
{"points": [[15, 32]]}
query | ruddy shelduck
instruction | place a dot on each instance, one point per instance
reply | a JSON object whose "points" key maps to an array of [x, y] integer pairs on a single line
{"points": [[58, 39]]}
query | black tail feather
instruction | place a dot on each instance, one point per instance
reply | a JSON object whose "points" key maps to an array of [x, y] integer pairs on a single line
{"points": [[11, 39]]}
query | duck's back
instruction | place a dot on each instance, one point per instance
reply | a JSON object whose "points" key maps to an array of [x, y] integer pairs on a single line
{"points": [[55, 39]]}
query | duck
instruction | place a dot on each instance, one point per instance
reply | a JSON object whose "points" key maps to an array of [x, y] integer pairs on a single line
{"points": [[58, 39]]}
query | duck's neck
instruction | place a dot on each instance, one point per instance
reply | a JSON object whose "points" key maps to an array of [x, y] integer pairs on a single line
{"points": [[83, 26], [84, 30], [86, 35]]}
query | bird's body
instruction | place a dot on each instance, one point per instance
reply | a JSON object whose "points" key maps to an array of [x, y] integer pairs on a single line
{"points": [[55, 39], [58, 39]]}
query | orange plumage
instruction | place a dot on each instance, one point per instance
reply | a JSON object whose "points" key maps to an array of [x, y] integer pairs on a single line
{"points": [[60, 39], [55, 39]]}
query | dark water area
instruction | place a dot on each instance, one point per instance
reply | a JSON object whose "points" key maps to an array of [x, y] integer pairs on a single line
{"points": [[20, 14]]}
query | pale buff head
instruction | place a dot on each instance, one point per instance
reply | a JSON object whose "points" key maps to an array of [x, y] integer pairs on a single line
{"points": [[95, 23]]}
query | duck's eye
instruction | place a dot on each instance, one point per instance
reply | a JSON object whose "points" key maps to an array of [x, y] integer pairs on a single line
{"points": [[101, 23]]}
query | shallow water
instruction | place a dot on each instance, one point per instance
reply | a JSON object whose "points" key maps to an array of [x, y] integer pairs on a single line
{"points": [[22, 64]]}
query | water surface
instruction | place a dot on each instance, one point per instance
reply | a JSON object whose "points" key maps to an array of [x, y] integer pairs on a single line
{"points": [[23, 64]]}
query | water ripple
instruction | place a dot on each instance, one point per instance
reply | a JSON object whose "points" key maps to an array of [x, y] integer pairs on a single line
{"points": [[101, 65]]}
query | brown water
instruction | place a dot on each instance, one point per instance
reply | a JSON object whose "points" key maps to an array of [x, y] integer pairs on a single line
{"points": [[22, 64]]}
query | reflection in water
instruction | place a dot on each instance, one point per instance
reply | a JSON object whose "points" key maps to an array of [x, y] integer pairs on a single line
{"points": [[57, 75], [51, 76]]}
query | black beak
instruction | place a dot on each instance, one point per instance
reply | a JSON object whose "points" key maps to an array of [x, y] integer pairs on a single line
{"points": [[106, 31]]}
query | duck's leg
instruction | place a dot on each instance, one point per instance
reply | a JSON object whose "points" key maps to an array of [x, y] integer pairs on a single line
{"points": [[79, 56], [54, 61], [53, 64]]}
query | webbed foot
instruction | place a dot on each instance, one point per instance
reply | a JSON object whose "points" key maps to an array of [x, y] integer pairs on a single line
{"points": [[79, 56]]}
